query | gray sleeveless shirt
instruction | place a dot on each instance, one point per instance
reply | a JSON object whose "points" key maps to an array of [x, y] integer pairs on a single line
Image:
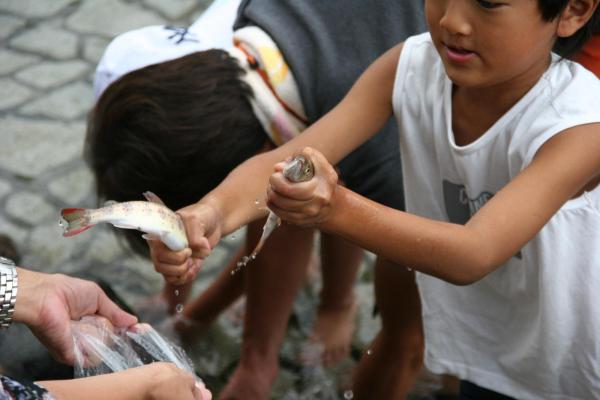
{"points": [[328, 44]]}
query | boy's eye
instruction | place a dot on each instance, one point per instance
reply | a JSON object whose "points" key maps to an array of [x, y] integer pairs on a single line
{"points": [[488, 4]]}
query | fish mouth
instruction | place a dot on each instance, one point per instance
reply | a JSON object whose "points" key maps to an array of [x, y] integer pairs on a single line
{"points": [[299, 169]]}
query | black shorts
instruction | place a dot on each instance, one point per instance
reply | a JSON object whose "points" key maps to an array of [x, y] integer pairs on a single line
{"points": [[470, 391]]}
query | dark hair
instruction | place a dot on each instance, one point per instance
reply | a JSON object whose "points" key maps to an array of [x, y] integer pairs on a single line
{"points": [[176, 128], [567, 46]]}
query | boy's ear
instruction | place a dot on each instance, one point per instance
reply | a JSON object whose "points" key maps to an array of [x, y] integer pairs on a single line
{"points": [[575, 15]]}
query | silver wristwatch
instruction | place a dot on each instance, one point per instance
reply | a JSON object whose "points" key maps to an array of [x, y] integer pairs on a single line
{"points": [[8, 291]]}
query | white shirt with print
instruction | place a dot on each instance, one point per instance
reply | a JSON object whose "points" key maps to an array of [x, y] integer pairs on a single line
{"points": [[531, 329]]}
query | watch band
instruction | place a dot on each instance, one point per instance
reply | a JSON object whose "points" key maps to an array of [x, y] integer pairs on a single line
{"points": [[9, 284]]}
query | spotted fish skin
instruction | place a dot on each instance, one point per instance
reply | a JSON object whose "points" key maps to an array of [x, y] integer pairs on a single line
{"points": [[152, 217]]}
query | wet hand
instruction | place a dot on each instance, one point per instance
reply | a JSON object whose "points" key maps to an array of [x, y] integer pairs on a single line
{"points": [[305, 203], [203, 233], [176, 267], [49, 304]]}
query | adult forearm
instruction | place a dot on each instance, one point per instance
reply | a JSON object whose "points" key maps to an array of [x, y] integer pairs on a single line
{"points": [[448, 251]]}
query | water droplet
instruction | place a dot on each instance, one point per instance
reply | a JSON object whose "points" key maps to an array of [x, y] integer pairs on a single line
{"points": [[348, 395], [253, 257], [369, 352], [233, 271], [409, 269], [176, 292], [179, 307], [256, 202]]}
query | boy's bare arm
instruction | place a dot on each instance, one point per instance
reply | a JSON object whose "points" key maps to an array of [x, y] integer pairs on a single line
{"points": [[233, 203], [463, 254], [361, 114]]}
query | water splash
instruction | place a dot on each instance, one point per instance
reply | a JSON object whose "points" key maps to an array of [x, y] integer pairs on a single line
{"points": [[242, 263], [299, 169], [179, 306], [348, 395]]}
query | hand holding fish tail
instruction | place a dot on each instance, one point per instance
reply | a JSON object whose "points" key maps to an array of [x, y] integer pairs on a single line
{"points": [[307, 203], [203, 233]]}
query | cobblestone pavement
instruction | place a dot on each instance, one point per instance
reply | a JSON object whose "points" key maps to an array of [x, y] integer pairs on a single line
{"points": [[48, 53]]}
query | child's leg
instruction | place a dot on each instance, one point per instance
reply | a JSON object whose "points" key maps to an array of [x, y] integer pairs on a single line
{"points": [[389, 368], [334, 323], [225, 290], [272, 282]]}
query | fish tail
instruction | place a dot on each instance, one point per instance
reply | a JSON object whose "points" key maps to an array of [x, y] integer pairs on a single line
{"points": [[76, 220]]}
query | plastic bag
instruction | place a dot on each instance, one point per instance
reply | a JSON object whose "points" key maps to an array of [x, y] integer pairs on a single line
{"points": [[101, 349]]}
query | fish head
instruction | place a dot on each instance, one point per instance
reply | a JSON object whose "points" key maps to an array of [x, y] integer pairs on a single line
{"points": [[299, 169]]}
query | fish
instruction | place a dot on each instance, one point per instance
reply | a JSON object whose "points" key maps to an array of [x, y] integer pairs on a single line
{"points": [[152, 217], [299, 169]]}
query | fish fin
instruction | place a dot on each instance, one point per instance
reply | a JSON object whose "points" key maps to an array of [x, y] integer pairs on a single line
{"points": [[150, 236], [124, 226], [151, 197], [76, 220], [109, 203]]}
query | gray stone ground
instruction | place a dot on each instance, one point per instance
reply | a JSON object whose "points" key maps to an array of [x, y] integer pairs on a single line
{"points": [[48, 53]]}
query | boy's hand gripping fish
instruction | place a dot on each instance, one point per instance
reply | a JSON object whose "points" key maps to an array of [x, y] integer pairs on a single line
{"points": [[152, 217], [299, 169]]}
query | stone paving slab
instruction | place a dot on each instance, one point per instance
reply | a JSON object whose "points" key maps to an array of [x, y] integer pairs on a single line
{"points": [[33, 9]]}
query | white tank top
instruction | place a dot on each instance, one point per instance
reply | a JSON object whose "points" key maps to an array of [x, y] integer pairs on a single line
{"points": [[531, 329]]}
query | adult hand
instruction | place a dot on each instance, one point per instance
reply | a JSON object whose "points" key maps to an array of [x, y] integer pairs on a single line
{"points": [[304, 203], [203, 231], [48, 304]]}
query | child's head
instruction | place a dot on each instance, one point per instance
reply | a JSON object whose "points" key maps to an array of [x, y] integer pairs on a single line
{"points": [[176, 128], [488, 42]]}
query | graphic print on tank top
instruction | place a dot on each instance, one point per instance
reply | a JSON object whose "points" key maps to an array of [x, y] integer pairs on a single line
{"points": [[460, 207]]}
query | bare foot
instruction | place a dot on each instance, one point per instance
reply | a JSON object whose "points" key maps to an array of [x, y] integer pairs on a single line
{"points": [[332, 334], [248, 384]]}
